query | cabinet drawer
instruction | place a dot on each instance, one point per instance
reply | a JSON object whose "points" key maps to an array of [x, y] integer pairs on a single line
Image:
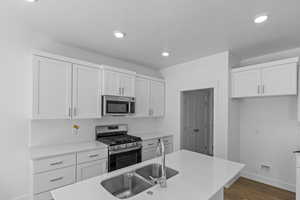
{"points": [[54, 163], [150, 143], [53, 179], [88, 156], [168, 140], [43, 196], [148, 154]]}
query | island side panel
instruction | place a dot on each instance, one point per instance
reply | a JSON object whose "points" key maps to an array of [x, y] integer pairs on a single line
{"points": [[219, 195]]}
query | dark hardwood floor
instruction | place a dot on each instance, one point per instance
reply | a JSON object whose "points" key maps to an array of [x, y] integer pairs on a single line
{"points": [[245, 189]]}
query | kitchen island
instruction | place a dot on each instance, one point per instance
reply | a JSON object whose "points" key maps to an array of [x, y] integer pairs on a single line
{"points": [[200, 177]]}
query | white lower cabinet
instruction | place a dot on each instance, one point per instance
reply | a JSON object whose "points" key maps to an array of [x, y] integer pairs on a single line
{"points": [[54, 172], [91, 169], [148, 154], [53, 179], [150, 147]]}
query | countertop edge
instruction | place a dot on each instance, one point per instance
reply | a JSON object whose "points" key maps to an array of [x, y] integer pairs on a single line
{"points": [[67, 149]]}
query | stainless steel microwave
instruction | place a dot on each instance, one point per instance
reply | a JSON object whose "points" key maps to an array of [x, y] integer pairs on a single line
{"points": [[117, 105]]}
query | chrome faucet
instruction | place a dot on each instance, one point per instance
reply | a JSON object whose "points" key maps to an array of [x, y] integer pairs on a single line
{"points": [[163, 179]]}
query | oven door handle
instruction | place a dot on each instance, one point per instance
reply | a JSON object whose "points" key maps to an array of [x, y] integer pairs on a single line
{"points": [[124, 150]]}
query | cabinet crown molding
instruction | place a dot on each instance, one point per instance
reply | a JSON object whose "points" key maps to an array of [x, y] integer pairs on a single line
{"points": [[267, 64], [63, 58]]}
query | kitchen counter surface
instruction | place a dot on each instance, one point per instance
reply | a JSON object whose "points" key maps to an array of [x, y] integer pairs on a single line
{"points": [[200, 177], [151, 135], [39, 152]]}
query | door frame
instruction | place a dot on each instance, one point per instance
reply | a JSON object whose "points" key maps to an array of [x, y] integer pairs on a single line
{"points": [[202, 86]]}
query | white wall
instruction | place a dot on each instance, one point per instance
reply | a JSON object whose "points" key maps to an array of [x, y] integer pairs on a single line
{"points": [[16, 44], [269, 133], [204, 72], [47, 132]]}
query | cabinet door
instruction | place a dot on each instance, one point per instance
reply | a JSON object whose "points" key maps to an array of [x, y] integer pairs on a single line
{"points": [[91, 169], [169, 148], [279, 80], [148, 154], [246, 83], [142, 97], [86, 92], [157, 98], [52, 88], [127, 84], [111, 83]]}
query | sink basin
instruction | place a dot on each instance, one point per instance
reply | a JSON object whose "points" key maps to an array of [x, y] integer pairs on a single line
{"points": [[132, 183], [126, 185], [154, 171]]}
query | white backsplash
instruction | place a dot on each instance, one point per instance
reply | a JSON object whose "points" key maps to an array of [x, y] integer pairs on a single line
{"points": [[48, 132]]}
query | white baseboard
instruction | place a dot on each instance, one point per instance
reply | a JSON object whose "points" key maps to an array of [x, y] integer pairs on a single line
{"points": [[269, 181], [23, 197], [232, 181]]}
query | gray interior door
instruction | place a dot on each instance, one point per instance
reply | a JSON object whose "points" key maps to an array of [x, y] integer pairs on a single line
{"points": [[197, 121]]}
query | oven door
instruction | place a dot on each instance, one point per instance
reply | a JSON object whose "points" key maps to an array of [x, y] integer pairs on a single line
{"points": [[124, 159], [113, 105]]}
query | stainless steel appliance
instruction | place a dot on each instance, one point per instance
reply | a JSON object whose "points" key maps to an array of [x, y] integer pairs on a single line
{"points": [[116, 105], [123, 149]]}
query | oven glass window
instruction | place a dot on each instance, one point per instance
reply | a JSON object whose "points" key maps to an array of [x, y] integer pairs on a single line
{"points": [[120, 160], [117, 107]]}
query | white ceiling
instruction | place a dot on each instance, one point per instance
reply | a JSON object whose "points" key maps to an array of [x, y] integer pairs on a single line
{"points": [[188, 29]]}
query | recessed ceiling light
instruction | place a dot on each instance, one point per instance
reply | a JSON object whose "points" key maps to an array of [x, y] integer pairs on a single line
{"points": [[165, 54], [31, 1], [260, 19], [119, 34]]}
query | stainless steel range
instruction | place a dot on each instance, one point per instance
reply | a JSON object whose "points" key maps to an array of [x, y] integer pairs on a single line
{"points": [[123, 149]]}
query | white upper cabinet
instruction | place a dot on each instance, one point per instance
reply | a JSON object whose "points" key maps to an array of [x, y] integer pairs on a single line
{"points": [[86, 92], [279, 80], [64, 90], [127, 85], [157, 98], [111, 84], [52, 88], [142, 97], [246, 83], [118, 83], [150, 97], [267, 79]]}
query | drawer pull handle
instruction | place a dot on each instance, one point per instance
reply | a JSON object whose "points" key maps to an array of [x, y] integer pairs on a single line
{"points": [[93, 156], [56, 179], [56, 163], [151, 144]]}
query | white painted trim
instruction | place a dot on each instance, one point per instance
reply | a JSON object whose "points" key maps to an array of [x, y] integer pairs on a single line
{"points": [[269, 181], [228, 185], [23, 197], [203, 85], [150, 78], [63, 58], [106, 67], [267, 64]]}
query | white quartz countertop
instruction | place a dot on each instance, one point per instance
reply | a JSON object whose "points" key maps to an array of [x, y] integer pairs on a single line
{"points": [[39, 152], [151, 135], [200, 177]]}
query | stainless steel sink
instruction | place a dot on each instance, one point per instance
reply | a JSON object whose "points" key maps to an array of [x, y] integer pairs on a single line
{"points": [[133, 183], [153, 171], [126, 185]]}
